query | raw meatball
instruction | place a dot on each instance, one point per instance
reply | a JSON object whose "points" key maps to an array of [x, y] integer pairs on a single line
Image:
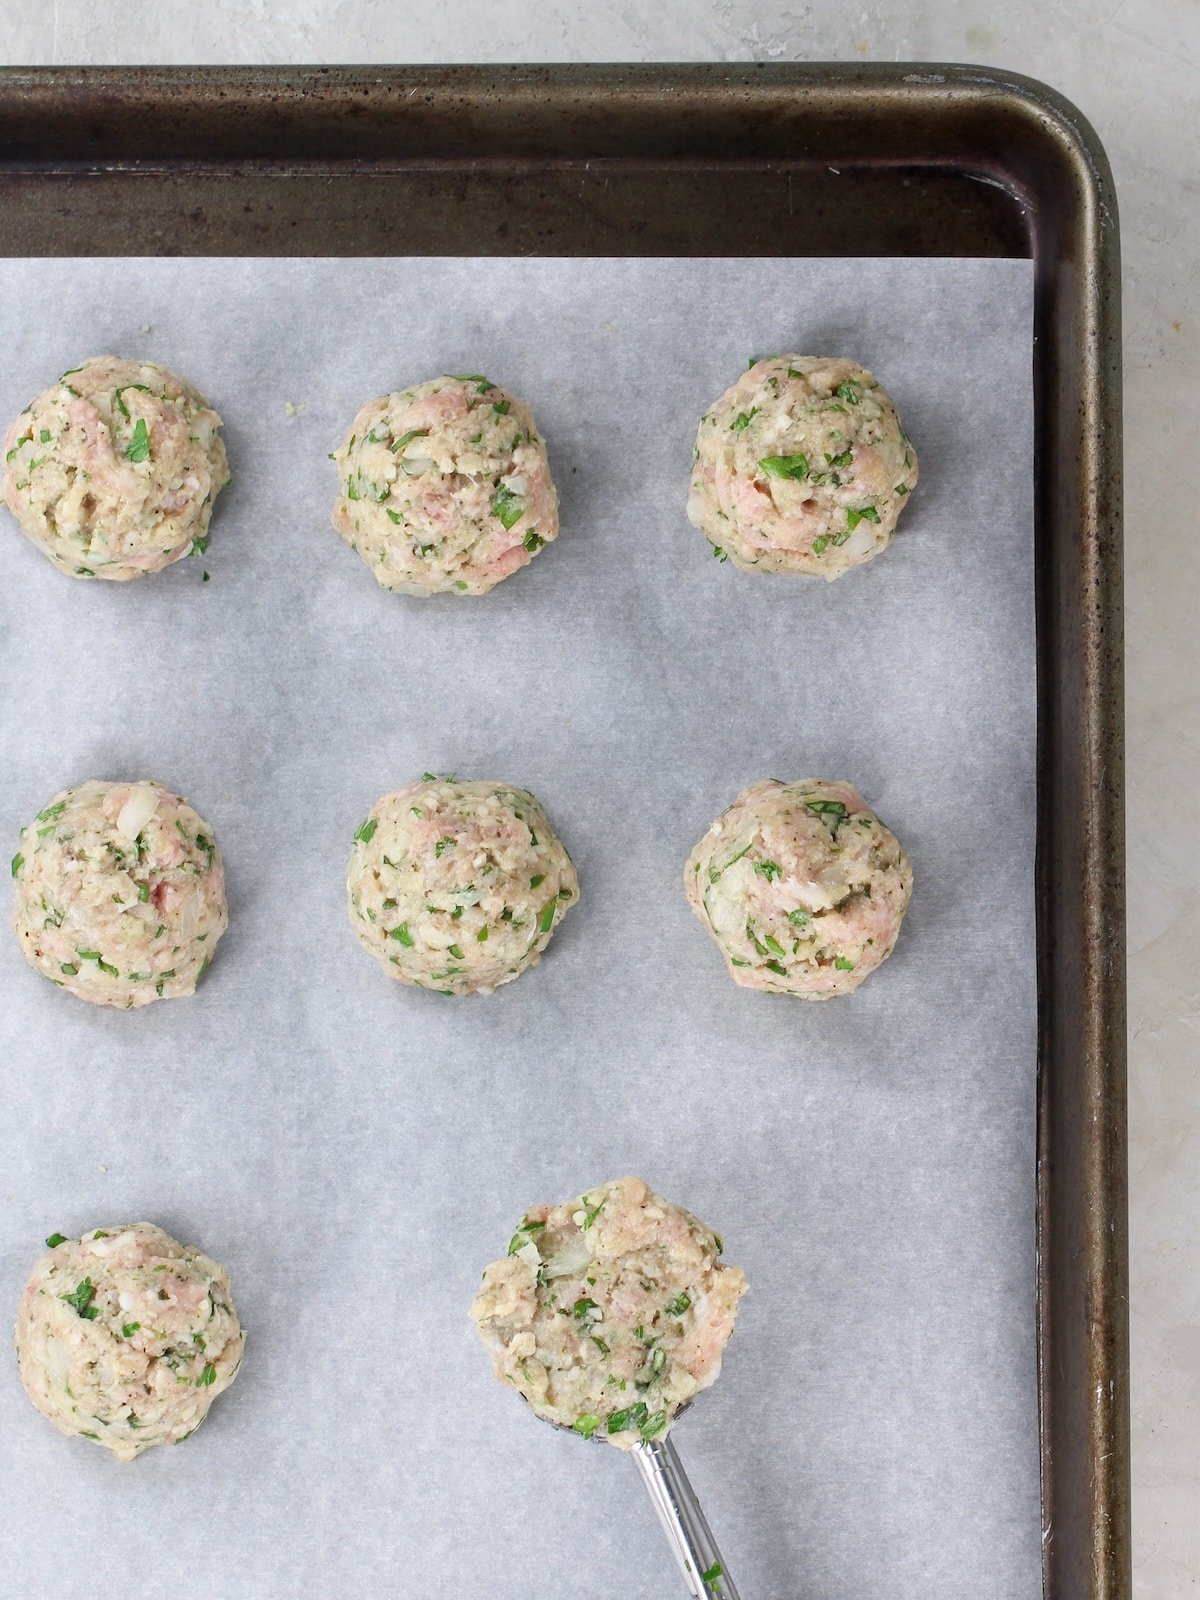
{"points": [[127, 1337], [610, 1313], [458, 886], [120, 893], [802, 466], [445, 487], [112, 472], [802, 887]]}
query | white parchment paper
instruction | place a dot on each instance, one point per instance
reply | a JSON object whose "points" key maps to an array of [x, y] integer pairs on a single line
{"points": [[355, 1152]]}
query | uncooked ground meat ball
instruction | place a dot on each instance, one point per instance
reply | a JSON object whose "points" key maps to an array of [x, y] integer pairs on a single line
{"points": [[801, 886], [445, 487], [801, 466], [610, 1313], [113, 471], [120, 893], [458, 886], [126, 1337]]}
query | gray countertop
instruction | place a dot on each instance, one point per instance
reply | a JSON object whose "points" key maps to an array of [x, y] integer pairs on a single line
{"points": [[1133, 67]]}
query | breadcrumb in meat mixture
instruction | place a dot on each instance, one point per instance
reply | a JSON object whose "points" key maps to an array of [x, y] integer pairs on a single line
{"points": [[801, 466], [126, 1337], [458, 887], [611, 1313], [445, 487], [113, 470], [801, 886]]}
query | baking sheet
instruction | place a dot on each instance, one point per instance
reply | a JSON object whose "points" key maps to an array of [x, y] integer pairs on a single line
{"points": [[355, 1152]]}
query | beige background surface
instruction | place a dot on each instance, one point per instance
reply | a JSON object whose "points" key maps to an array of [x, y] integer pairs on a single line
{"points": [[1133, 66]]}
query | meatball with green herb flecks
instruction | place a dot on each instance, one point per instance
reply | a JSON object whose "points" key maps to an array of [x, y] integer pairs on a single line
{"points": [[802, 466], [126, 1337], [458, 887], [120, 893], [445, 487], [113, 471], [610, 1313], [801, 886]]}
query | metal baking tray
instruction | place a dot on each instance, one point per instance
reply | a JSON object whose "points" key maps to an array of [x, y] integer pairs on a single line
{"points": [[863, 160]]}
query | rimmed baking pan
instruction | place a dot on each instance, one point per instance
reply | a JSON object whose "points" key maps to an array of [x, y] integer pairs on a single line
{"points": [[873, 160]]}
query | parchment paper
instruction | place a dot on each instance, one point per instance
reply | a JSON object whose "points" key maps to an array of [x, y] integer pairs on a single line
{"points": [[355, 1152]]}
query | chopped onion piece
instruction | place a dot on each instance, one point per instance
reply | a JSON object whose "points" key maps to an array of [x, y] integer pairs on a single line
{"points": [[137, 810]]}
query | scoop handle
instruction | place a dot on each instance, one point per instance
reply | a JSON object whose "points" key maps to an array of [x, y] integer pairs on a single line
{"points": [[684, 1523]]}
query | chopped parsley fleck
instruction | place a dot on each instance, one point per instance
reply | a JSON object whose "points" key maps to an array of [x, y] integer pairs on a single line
{"points": [[56, 1239], [365, 832], [793, 466], [828, 808], [509, 507], [443, 843], [207, 1377], [501, 407], [713, 1573], [402, 935], [855, 515], [538, 878], [721, 555], [849, 392], [584, 1308], [591, 1215], [772, 943], [586, 1425], [653, 1425], [128, 1329], [681, 1302], [118, 402], [18, 861], [632, 1417], [842, 460], [776, 966], [82, 1297], [769, 869], [138, 448], [800, 917], [474, 377], [407, 438], [533, 541], [546, 920], [523, 1235], [843, 965], [819, 545], [743, 419], [456, 953]]}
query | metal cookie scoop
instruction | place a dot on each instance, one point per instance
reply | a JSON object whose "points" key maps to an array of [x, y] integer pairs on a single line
{"points": [[683, 1521], [638, 1312], [680, 1514]]}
